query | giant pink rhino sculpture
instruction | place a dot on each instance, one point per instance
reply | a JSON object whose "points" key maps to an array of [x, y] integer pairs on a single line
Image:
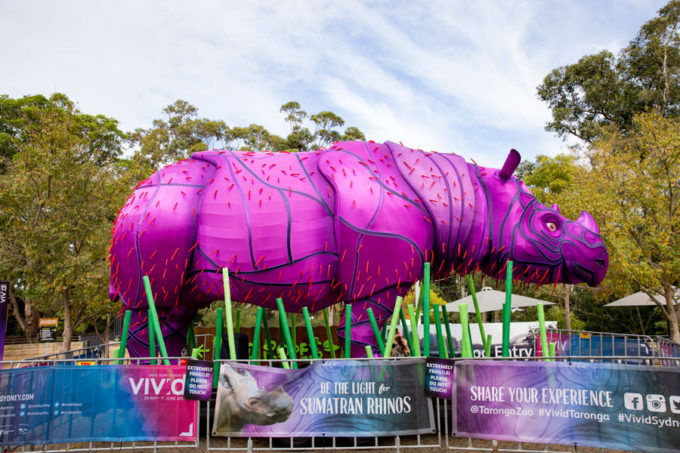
{"points": [[352, 223]]}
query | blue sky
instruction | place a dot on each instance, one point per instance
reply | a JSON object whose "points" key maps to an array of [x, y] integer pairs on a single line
{"points": [[453, 76]]}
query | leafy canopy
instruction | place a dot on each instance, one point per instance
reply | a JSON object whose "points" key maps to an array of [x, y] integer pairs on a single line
{"points": [[59, 192], [604, 89]]}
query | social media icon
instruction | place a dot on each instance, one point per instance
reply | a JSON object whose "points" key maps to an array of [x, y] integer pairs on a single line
{"points": [[632, 401], [656, 403], [674, 403]]}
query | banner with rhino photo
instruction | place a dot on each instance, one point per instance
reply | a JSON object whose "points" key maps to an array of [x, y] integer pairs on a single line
{"points": [[341, 398], [59, 404], [592, 404]]}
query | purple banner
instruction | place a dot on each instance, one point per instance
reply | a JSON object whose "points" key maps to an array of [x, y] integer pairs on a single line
{"points": [[593, 404], [335, 398], [4, 308]]}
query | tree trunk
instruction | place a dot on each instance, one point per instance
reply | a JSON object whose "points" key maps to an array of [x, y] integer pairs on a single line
{"points": [[567, 307], [642, 326], [674, 332], [28, 322], [68, 329], [16, 313], [31, 316], [672, 310]]}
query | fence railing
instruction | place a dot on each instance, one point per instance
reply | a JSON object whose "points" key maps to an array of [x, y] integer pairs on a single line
{"points": [[90, 353], [14, 339], [444, 437], [616, 347], [665, 349]]}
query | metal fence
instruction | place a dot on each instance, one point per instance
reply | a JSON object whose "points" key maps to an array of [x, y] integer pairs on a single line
{"points": [[443, 439], [609, 347], [89, 354], [20, 339], [666, 350]]}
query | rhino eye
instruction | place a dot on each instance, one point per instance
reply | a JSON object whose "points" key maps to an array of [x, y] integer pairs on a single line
{"points": [[551, 226]]}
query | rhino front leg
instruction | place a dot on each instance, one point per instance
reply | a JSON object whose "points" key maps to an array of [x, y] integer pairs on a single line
{"points": [[362, 333], [174, 325]]}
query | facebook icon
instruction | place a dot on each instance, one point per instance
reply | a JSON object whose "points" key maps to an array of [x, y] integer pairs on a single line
{"points": [[633, 401]]}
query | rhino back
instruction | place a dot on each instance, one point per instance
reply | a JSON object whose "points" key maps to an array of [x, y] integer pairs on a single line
{"points": [[447, 187], [266, 217], [381, 231]]}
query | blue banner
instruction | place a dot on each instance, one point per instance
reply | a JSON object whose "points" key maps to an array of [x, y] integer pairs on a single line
{"points": [[43, 405], [335, 398], [593, 404]]}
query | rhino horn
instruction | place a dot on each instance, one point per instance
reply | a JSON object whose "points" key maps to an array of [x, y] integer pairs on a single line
{"points": [[510, 164], [587, 221], [556, 208]]}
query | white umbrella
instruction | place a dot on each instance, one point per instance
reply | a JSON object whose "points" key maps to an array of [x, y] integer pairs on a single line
{"points": [[492, 300], [640, 299]]}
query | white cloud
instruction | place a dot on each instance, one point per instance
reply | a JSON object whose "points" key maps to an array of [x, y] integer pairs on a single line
{"points": [[448, 75]]}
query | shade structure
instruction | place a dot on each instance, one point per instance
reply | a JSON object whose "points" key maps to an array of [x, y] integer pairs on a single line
{"points": [[640, 299], [492, 300]]}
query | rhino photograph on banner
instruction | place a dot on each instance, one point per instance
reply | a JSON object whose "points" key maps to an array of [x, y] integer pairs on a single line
{"points": [[343, 398]]}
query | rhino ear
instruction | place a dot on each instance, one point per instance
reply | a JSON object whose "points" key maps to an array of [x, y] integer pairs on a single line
{"points": [[510, 164]]}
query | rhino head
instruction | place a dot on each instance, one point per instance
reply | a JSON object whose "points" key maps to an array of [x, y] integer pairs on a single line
{"points": [[545, 247]]}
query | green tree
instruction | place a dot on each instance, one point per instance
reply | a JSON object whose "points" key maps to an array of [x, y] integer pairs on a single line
{"points": [[255, 138], [182, 133], [177, 136], [294, 114], [603, 89], [326, 123], [58, 198], [15, 114], [299, 138], [627, 105], [352, 133], [549, 178], [325, 132], [632, 188]]}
